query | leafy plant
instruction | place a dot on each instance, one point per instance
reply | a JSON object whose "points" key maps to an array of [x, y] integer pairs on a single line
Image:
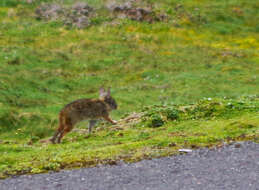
{"points": [[155, 121]]}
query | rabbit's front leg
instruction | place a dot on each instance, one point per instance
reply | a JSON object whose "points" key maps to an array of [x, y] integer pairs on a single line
{"points": [[91, 124], [107, 118]]}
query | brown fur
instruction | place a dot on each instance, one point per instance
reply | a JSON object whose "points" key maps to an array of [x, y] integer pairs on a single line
{"points": [[84, 109]]}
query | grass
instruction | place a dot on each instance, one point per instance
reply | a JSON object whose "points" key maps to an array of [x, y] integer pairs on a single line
{"points": [[208, 123], [206, 49]]}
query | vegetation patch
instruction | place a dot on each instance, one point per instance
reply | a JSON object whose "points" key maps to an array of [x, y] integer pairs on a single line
{"points": [[181, 80], [155, 132], [156, 116]]}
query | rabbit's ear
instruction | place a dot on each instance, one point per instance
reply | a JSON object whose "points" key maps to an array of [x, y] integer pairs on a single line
{"points": [[102, 92]]}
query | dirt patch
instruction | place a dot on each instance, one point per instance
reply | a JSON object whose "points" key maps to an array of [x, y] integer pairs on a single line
{"points": [[49, 11], [130, 11], [77, 15]]}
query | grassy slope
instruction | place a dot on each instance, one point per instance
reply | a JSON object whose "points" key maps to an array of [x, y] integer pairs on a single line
{"points": [[207, 49], [208, 123]]}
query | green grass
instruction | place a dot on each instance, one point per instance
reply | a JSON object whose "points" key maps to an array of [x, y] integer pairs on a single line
{"points": [[206, 49], [208, 123]]}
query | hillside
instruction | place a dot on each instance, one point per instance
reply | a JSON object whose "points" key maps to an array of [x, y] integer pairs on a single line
{"points": [[175, 54]]}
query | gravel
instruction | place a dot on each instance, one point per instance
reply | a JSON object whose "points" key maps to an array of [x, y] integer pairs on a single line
{"points": [[233, 166]]}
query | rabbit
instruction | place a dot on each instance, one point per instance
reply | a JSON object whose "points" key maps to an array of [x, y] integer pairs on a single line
{"points": [[85, 109]]}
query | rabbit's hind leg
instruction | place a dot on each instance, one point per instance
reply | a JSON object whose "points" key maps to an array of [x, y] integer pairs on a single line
{"points": [[57, 133], [62, 125], [53, 139], [68, 126], [63, 133]]}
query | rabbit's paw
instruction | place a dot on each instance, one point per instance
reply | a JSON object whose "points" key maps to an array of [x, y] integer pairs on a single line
{"points": [[114, 122]]}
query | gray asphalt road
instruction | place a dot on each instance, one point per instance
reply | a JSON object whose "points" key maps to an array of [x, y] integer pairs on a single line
{"points": [[233, 167]]}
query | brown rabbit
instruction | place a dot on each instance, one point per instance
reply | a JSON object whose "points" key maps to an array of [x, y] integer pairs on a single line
{"points": [[84, 109]]}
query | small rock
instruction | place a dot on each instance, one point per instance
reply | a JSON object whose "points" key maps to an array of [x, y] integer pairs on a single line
{"points": [[237, 145], [185, 150]]}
